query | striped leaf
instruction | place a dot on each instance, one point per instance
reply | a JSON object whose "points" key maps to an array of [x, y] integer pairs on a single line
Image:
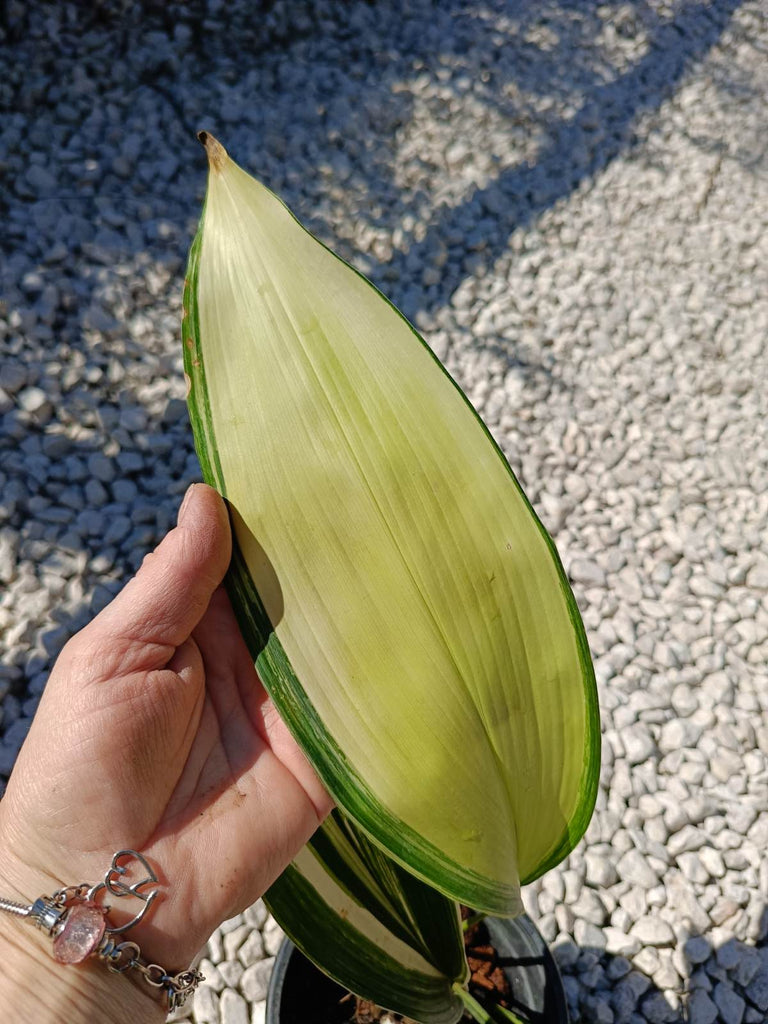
{"points": [[405, 608], [371, 926]]}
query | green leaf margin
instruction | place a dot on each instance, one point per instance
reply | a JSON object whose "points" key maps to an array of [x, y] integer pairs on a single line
{"points": [[344, 784]]}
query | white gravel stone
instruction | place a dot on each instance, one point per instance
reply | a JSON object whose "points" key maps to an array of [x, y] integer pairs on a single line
{"points": [[272, 935], [251, 950], [600, 870], [712, 860], [653, 931], [693, 869], [232, 924], [686, 840], [587, 573], [206, 1005], [618, 943], [233, 1009], [638, 743], [634, 868], [678, 734], [255, 980], [590, 907], [216, 947], [234, 939], [210, 972], [231, 972], [256, 915]]}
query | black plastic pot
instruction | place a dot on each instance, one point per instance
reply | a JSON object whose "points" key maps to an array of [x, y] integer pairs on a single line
{"points": [[301, 994]]}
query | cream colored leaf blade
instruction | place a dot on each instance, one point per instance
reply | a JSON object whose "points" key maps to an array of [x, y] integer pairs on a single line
{"points": [[406, 609]]}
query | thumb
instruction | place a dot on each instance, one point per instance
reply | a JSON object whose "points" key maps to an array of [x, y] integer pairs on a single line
{"points": [[158, 609]]}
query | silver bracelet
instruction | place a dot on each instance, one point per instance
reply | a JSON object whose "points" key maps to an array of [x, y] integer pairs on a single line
{"points": [[79, 927]]}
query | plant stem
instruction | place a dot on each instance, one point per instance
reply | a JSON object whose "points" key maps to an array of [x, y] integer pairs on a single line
{"points": [[471, 1005], [507, 1015], [479, 1012], [474, 918]]}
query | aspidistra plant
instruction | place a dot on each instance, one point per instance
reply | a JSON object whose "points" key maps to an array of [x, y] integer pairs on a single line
{"points": [[404, 606]]}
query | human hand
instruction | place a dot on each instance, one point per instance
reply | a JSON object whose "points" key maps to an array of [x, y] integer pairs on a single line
{"points": [[154, 733]]}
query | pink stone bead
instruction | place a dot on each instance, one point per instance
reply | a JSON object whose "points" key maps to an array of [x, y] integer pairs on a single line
{"points": [[83, 928]]}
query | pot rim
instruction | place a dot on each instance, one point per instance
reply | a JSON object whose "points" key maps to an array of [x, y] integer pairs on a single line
{"points": [[555, 1008]]}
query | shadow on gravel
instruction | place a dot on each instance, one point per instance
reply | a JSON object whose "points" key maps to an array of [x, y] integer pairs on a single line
{"points": [[726, 983], [599, 128], [605, 989], [125, 195]]}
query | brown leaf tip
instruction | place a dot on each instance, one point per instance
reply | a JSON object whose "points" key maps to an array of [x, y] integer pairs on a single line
{"points": [[217, 155]]}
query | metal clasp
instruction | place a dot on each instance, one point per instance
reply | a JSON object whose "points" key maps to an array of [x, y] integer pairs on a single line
{"points": [[47, 914]]}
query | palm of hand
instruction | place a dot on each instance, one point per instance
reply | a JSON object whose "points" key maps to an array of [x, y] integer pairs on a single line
{"points": [[156, 734]]}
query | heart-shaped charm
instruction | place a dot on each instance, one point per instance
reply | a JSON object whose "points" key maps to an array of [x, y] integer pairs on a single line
{"points": [[114, 884]]}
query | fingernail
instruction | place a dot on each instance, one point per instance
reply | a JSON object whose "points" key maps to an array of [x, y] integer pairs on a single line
{"points": [[184, 504]]}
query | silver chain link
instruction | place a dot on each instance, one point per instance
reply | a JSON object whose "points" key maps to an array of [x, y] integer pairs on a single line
{"points": [[19, 909]]}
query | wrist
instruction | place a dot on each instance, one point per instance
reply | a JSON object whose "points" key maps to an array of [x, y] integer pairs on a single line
{"points": [[34, 986]]}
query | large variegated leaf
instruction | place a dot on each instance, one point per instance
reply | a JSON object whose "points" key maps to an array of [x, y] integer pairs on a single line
{"points": [[372, 926], [405, 607]]}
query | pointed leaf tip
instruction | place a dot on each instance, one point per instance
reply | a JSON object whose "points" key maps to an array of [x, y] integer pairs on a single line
{"points": [[217, 155], [422, 607]]}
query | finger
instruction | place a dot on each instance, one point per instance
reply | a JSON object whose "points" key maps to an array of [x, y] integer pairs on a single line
{"points": [[163, 603], [275, 732], [232, 678]]}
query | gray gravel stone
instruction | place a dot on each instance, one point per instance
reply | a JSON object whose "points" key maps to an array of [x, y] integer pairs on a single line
{"points": [[656, 1009], [757, 989], [697, 949], [13, 376], [730, 1005], [701, 1009]]}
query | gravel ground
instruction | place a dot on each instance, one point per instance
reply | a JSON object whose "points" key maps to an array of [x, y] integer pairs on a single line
{"points": [[571, 200]]}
